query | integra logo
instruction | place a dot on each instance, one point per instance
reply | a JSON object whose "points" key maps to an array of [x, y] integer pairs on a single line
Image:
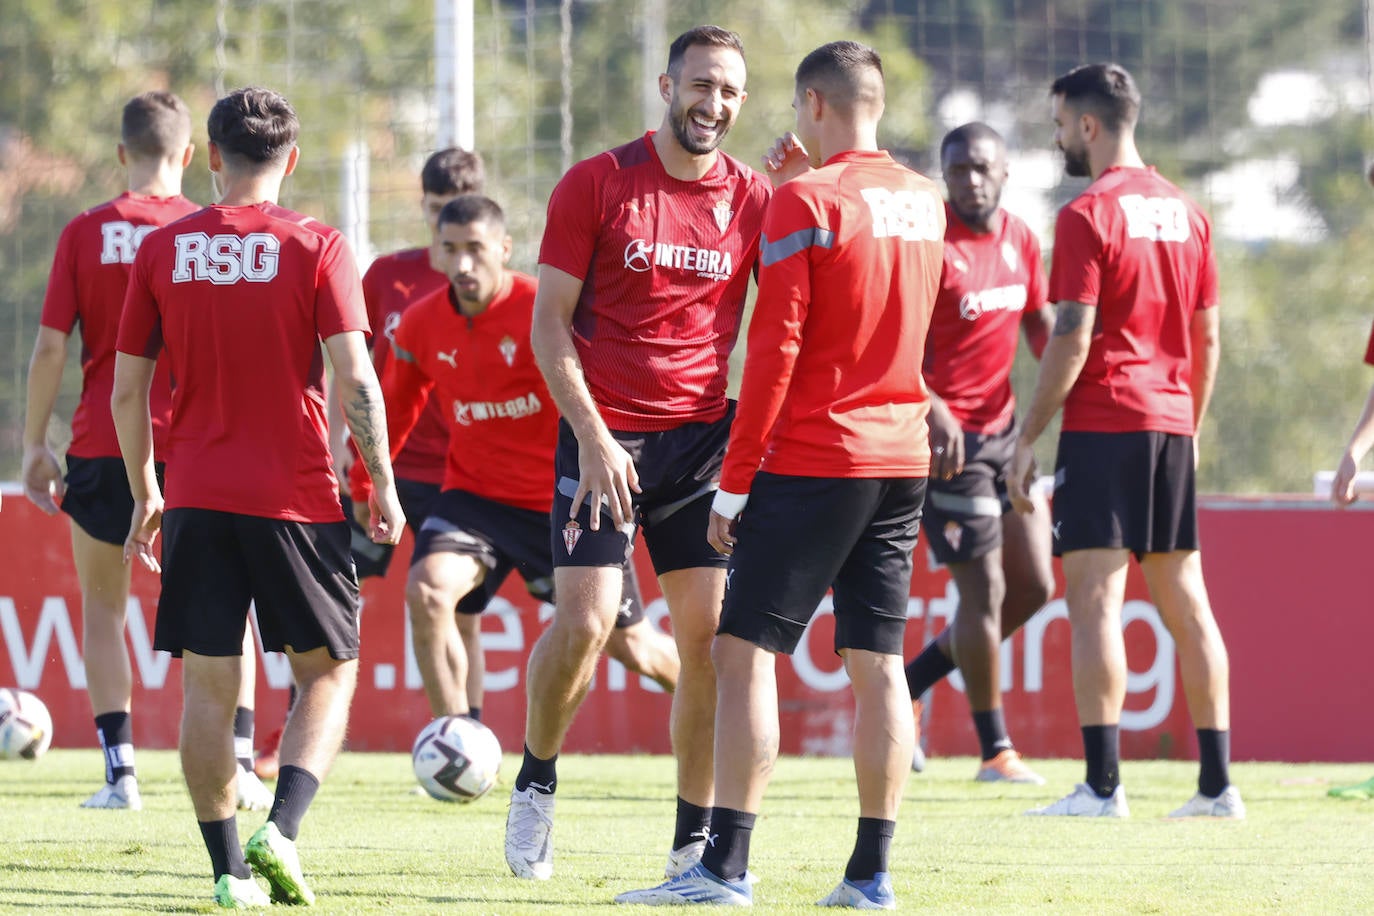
{"points": [[465, 413], [642, 256]]}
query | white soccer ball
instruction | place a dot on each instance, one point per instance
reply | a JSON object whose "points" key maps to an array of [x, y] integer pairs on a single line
{"points": [[456, 758], [25, 725]]}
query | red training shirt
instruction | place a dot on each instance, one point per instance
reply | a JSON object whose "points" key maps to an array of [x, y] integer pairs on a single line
{"points": [[1138, 249], [90, 272], [1369, 350], [240, 298], [392, 284], [665, 266], [849, 269], [482, 372], [989, 284]]}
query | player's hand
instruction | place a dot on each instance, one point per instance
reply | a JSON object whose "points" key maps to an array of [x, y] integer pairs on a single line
{"points": [[385, 521], [362, 512], [606, 471], [1343, 484], [1020, 475], [42, 479], [786, 159], [720, 532], [946, 442], [143, 529]]}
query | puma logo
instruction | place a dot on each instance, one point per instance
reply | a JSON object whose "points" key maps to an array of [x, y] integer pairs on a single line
{"points": [[451, 357], [405, 289]]}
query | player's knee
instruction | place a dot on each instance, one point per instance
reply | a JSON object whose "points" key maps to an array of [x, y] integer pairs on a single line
{"points": [[425, 602]]}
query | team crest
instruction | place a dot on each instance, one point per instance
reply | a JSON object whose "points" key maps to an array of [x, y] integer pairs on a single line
{"points": [[572, 532], [723, 215], [954, 535], [1009, 255], [507, 348]]}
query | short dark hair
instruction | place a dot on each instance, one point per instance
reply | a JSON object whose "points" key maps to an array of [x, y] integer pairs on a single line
{"points": [[1106, 91], [472, 208], [843, 72], [254, 126], [712, 36], [155, 124], [453, 171], [971, 133]]}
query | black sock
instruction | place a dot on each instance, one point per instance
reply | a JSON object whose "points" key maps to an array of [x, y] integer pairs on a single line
{"points": [[296, 789], [243, 736], [992, 732], [222, 842], [542, 774], [1102, 754], [116, 731], [475, 713], [927, 669], [870, 849], [693, 823], [1214, 757], [727, 848]]}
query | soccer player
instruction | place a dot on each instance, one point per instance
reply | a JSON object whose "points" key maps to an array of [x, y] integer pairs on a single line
{"points": [[1343, 494], [643, 271], [826, 469], [239, 296], [86, 287], [391, 285], [466, 349], [992, 284], [1132, 360]]}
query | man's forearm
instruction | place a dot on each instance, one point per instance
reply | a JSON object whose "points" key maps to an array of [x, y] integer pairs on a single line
{"points": [[1060, 366], [44, 381], [362, 406], [562, 370]]}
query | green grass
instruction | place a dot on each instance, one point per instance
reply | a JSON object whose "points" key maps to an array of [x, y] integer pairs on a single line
{"points": [[369, 845]]}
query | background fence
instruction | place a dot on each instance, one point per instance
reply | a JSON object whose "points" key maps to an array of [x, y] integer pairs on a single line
{"points": [[1260, 110]]}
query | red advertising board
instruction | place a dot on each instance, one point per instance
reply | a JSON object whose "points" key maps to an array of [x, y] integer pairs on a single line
{"points": [[1284, 577]]}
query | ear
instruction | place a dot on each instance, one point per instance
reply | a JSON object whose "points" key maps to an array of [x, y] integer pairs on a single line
{"points": [[119, 151], [665, 87], [815, 103], [1088, 127], [507, 247], [292, 158], [216, 160], [187, 155]]}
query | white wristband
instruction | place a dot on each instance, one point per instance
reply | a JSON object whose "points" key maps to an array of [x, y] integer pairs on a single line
{"points": [[729, 505]]}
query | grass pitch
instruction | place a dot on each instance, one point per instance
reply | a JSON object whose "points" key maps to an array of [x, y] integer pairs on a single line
{"points": [[371, 845]]}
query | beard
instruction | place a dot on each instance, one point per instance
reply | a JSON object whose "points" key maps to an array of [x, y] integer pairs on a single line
{"points": [[1076, 164], [680, 118]]}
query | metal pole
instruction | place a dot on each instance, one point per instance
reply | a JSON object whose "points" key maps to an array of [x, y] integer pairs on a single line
{"points": [[654, 56], [453, 73]]}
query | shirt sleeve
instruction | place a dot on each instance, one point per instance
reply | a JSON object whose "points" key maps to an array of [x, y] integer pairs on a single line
{"points": [[573, 223], [339, 305], [792, 230], [372, 294], [1208, 292], [140, 321], [61, 302], [1076, 265], [1369, 349], [1036, 287]]}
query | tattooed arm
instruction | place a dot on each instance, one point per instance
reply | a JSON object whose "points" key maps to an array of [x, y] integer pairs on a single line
{"points": [[361, 398], [1060, 365]]}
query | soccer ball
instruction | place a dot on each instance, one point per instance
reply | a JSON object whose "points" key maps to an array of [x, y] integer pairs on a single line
{"points": [[25, 725], [456, 758]]}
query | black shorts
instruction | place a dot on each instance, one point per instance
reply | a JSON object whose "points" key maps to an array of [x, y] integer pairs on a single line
{"points": [[98, 498], [503, 538], [298, 576], [679, 470], [1124, 490], [373, 559], [799, 536], [963, 516]]}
